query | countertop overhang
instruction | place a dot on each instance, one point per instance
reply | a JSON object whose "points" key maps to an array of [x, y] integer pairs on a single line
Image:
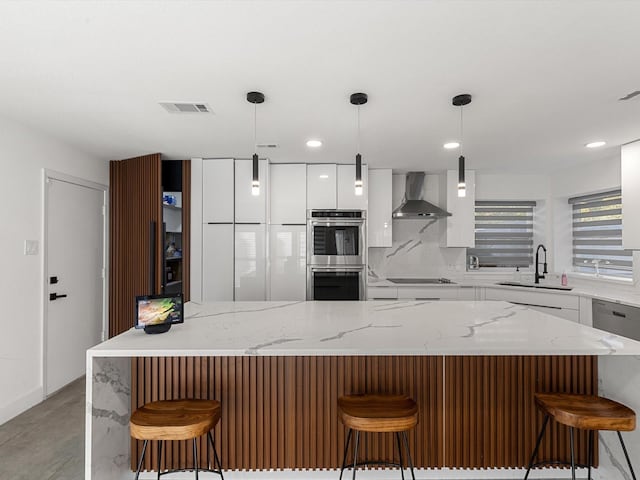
{"points": [[466, 328]]}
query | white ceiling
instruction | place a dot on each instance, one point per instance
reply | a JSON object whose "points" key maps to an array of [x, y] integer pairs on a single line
{"points": [[545, 76]]}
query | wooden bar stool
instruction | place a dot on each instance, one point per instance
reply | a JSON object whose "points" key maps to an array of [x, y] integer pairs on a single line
{"points": [[176, 420], [377, 413], [585, 412]]}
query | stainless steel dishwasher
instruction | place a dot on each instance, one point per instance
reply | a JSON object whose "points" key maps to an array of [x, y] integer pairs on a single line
{"points": [[620, 319]]}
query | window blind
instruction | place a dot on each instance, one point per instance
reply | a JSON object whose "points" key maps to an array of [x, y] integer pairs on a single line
{"points": [[597, 235], [504, 233]]}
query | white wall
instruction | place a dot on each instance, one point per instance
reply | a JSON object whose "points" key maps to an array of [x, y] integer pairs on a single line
{"points": [[23, 155]]}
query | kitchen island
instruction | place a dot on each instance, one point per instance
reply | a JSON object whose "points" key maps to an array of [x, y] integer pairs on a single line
{"points": [[278, 368]]}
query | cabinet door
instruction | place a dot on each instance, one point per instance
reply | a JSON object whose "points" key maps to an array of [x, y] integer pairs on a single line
{"points": [[217, 191], [630, 175], [250, 262], [379, 219], [250, 208], [288, 186], [288, 257], [321, 186], [565, 313], [460, 228], [217, 262], [347, 198]]}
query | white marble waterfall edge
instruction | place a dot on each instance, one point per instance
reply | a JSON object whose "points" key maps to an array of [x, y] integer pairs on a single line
{"points": [[108, 409]]}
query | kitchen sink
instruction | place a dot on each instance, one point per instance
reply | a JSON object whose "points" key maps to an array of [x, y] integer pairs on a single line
{"points": [[533, 285]]}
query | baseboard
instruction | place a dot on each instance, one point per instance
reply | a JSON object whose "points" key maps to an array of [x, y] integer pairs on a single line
{"points": [[20, 405], [421, 474]]}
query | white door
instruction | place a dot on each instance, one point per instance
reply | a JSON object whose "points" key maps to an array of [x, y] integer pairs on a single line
{"points": [[75, 295], [288, 188]]}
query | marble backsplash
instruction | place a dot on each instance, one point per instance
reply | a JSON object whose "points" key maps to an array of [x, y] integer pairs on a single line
{"points": [[416, 252]]}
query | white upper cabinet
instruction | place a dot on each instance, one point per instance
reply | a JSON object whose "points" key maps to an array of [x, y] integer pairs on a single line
{"points": [[347, 198], [630, 172], [288, 186], [460, 226], [288, 257], [250, 208], [250, 262], [379, 219], [321, 186], [217, 191]]}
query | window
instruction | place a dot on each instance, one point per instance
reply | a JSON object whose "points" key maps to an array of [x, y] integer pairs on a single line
{"points": [[504, 233], [597, 235]]}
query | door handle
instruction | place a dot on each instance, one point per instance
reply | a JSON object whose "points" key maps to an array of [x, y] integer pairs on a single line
{"points": [[55, 296]]}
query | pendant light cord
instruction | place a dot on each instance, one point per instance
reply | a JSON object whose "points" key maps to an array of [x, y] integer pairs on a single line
{"points": [[358, 141], [255, 122], [461, 129]]}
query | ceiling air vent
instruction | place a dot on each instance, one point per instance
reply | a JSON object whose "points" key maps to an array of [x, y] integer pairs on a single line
{"points": [[267, 145], [186, 107]]}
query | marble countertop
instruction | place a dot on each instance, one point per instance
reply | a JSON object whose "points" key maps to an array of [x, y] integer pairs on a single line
{"points": [[367, 328], [610, 293]]}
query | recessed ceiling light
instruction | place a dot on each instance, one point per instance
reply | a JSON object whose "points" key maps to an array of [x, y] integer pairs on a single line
{"points": [[597, 144], [324, 176], [451, 145], [314, 143]]}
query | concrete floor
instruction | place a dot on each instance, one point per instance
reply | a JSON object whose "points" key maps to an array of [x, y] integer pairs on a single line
{"points": [[47, 441]]}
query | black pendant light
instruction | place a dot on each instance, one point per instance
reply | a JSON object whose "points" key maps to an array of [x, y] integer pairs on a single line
{"points": [[255, 98], [460, 101], [358, 99]]}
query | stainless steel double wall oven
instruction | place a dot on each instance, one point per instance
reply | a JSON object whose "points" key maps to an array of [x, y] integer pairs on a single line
{"points": [[336, 254]]}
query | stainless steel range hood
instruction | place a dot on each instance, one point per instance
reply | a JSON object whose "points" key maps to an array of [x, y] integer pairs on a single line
{"points": [[414, 205]]}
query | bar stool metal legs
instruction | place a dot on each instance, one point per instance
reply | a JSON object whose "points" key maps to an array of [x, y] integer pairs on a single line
{"points": [[591, 439], [355, 455], [196, 468]]}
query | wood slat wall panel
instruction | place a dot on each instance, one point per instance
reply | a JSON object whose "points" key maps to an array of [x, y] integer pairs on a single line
{"points": [[135, 201], [270, 406], [490, 415]]}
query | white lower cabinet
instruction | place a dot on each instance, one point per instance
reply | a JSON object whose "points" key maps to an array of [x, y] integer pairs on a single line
{"points": [[217, 262], [250, 262], [558, 304], [288, 257]]}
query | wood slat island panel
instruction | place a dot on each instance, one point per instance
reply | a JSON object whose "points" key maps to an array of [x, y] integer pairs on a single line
{"points": [[281, 412], [490, 415]]}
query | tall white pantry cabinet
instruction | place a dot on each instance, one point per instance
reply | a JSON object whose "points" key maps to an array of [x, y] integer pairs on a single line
{"points": [[228, 242]]}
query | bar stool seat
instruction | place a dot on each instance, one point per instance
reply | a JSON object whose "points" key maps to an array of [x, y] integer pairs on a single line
{"points": [[379, 414], [176, 420], [585, 412]]}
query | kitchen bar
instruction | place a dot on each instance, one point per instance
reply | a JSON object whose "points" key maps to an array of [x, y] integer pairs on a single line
{"points": [[278, 368]]}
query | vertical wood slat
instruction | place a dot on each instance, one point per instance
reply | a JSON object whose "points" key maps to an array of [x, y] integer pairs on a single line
{"points": [[270, 403], [186, 229], [498, 399], [135, 200]]}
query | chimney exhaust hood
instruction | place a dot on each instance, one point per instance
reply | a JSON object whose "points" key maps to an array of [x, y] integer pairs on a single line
{"points": [[414, 205]]}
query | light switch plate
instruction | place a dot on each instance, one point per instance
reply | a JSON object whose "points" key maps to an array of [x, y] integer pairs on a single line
{"points": [[31, 247]]}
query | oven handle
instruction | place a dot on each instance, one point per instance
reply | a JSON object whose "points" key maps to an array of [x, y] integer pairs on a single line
{"points": [[336, 269], [338, 223]]}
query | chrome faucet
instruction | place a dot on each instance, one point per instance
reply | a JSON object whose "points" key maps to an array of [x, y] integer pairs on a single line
{"points": [[538, 276]]}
